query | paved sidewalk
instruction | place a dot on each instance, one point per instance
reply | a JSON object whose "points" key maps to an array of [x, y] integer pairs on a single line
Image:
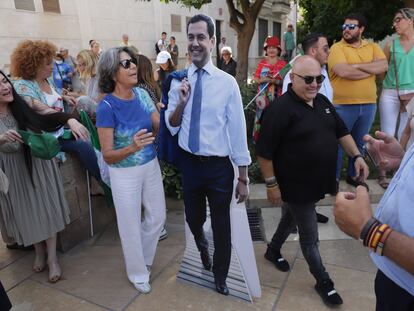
{"points": [[95, 279]]}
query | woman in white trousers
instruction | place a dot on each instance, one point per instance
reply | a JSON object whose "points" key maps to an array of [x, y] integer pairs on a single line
{"points": [[127, 120], [399, 79]]}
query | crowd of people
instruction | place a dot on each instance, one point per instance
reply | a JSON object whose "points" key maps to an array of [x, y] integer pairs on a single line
{"points": [[324, 106]]}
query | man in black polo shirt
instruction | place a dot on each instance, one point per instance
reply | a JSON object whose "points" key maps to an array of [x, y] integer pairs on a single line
{"points": [[298, 144]]}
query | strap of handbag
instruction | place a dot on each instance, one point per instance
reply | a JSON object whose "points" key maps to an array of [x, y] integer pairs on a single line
{"points": [[395, 69], [397, 124], [60, 74]]}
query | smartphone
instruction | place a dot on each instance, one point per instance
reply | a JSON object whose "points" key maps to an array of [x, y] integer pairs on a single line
{"points": [[370, 156]]}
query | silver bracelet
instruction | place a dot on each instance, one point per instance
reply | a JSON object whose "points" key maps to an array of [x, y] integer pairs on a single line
{"points": [[270, 180]]}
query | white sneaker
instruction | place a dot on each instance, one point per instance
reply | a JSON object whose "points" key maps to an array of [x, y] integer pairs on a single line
{"points": [[144, 287], [163, 234]]}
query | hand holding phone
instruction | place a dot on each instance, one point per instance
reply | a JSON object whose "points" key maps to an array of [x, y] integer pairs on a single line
{"points": [[374, 159]]}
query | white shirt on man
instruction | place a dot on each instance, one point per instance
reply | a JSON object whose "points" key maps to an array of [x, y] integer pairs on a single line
{"points": [[162, 45], [222, 121], [326, 87]]}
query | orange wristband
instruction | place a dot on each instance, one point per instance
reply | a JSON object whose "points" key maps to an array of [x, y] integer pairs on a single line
{"points": [[381, 243], [377, 237]]}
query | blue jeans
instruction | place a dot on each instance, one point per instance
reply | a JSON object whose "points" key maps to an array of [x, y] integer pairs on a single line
{"points": [[358, 119], [304, 216], [84, 151]]}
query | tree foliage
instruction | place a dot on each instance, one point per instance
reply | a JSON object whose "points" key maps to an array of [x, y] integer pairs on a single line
{"points": [[326, 16], [197, 4], [243, 16]]}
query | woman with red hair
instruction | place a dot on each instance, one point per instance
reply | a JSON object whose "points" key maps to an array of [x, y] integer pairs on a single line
{"points": [[267, 76]]}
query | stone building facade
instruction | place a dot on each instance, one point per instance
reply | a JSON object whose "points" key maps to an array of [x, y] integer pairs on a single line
{"points": [[72, 23]]}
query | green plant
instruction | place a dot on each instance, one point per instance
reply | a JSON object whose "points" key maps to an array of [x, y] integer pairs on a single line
{"points": [[248, 92], [171, 178]]}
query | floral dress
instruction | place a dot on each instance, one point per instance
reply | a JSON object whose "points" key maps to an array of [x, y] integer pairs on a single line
{"points": [[264, 69]]}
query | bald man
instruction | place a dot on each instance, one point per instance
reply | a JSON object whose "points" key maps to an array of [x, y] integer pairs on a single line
{"points": [[297, 151], [125, 40]]}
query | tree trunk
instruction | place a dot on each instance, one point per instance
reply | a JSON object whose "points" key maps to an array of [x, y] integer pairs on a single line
{"points": [[244, 39]]}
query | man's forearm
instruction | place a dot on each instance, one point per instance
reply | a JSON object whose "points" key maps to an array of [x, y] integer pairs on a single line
{"points": [[176, 117], [243, 171], [375, 67], [266, 167], [400, 249], [349, 146], [346, 71]]}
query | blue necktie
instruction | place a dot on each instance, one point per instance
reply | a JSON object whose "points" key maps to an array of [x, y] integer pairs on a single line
{"points": [[194, 134]]}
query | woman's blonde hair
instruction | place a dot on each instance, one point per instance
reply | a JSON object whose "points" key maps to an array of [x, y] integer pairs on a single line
{"points": [[90, 64]]}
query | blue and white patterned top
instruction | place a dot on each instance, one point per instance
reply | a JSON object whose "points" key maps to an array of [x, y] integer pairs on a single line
{"points": [[127, 117], [396, 209]]}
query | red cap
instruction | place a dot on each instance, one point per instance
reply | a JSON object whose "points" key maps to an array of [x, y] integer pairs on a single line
{"points": [[271, 41]]}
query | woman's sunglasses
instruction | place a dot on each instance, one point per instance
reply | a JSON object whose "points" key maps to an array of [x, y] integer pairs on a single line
{"points": [[309, 79], [126, 63]]}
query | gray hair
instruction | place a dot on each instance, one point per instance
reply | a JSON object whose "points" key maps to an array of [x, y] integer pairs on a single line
{"points": [[226, 48], [407, 13], [108, 66]]}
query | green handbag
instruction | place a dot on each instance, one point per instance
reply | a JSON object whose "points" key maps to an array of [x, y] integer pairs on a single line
{"points": [[44, 146]]}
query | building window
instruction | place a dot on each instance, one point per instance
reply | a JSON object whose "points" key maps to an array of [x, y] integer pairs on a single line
{"points": [[277, 30], [263, 33], [27, 5], [51, 6], [175, 23]]}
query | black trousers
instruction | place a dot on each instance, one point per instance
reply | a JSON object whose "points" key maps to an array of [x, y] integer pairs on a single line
{"points": [[4, 299], [391, 297], [304, 215], [211, 178]]}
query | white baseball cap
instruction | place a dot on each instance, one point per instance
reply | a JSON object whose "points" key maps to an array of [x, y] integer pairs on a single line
{"points": [[163, 57]]}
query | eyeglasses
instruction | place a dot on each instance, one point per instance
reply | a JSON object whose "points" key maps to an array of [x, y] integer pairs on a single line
{"points": [[397, 20], [309, 79], [126, 63], [349, 26]]}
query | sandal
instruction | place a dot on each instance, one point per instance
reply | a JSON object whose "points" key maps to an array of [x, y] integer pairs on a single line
{"points": [[382, 181]]}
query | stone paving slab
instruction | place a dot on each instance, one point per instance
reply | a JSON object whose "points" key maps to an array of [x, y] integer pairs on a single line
{"points": [[95, 278], [179, 296], [355, 287], [257, 197], [45, 298]]}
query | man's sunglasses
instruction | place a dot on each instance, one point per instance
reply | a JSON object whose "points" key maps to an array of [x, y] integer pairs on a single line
{"points": [[126, 63], [309, 79], [349, 26]]}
